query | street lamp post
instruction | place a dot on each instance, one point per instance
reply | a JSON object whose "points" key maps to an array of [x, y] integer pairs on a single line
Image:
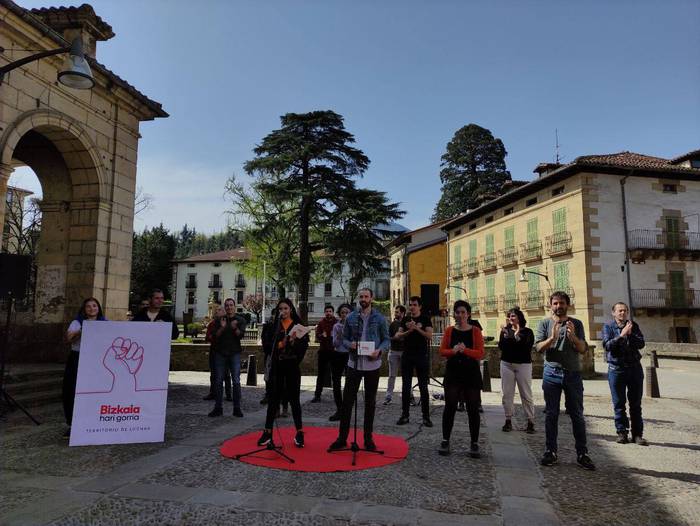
{"points": [[75, 72], [523, 277]]}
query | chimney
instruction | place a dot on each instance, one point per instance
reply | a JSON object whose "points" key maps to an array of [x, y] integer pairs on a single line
{"points": [[543, 169]]}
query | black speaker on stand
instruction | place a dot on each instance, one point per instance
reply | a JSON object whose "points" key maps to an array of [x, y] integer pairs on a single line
{"points": [[14, 275]]}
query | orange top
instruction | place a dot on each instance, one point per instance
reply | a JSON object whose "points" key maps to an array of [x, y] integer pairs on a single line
{"points": [[478, 342], [286, 323]]}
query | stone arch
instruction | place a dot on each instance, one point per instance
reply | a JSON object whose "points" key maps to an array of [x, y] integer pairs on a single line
{"points": [[73, 245]]}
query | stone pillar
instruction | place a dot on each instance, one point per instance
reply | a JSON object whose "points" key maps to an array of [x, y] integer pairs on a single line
{"points": [[5, 172]]}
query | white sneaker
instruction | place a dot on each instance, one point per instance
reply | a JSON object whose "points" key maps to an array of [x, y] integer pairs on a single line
{"points": [[387, 400]]}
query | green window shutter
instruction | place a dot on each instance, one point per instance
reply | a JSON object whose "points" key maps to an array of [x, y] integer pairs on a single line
{"points": [[509, 237], [561, 276], [533, 280], [510, 283], [472, 248], [473, 289], [559, 220], [677, 282], [457, 254], [489, 243], [532, 234], [491, 328], [672, 232], [490, 286], [458, 293]]}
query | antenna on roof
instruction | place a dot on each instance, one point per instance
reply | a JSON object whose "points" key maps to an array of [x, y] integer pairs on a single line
{"points": [[557, 158]]}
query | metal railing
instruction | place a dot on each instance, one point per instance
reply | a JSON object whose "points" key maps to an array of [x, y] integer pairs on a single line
{"points": [[569, 291], [472, 266], [531, 299], [489, 303], [663, 240], [216, 284], [559, 243], [240, 283], [666, 298], [508, 301], [191, 284], [488, 261], [508, 256], [456, 270], [531, 251]]}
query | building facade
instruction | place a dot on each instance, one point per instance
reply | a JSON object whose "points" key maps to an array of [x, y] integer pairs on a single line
{"points": [[418, 260], [604, 228], [14, 216]]}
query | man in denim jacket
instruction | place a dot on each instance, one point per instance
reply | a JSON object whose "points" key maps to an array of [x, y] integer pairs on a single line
{"points": [[622, 341], [363, 325]]}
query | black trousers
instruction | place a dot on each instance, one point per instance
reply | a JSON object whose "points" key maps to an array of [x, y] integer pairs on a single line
{"points": [[286, 385], [212, 376], [324, 364], [352, 385], [457, 391], [339, 360], [421, 364], [70, 378]]}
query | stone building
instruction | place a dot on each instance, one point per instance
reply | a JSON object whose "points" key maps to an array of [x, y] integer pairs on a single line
{"points": [[82, 145], [604, 228], [14, 213]]}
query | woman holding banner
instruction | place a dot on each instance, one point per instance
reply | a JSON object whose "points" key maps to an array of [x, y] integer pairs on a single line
{"points": [[289, 340], [90, 310]]}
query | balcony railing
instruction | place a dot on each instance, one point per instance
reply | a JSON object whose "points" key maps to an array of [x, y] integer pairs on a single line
{"points": [[489, 304], [569, 291], [472, 266], [666, 299], [474, 305], [508, 301], [456, 270], [191, 284], [558, 244], [488, 262], [191, 301], [508, 256], [662, 240], [531, 251], [216, 284], [531, 299], [240, 283]]}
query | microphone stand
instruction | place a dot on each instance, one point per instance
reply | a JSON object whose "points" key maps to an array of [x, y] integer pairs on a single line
{"points": [[270, 446], [354, 446]]}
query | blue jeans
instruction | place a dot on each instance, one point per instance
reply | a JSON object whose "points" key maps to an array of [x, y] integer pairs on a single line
{"points": [[627, 384], [233, 362], [554, 381]]}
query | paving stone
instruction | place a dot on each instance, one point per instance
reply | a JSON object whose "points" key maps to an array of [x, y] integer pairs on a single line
{"points": [[218, 497], [430, 518], [520, 483], [156, 492], [52, 506], [524, 511], [336, 508], [380, 514], [269, 502]]}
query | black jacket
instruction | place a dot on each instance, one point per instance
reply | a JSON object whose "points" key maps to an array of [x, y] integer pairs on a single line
{"points": [[163, 315], [292, 350]]}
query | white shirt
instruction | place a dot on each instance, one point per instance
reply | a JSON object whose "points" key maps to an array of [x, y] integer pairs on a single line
{"points": [[75, 327]]}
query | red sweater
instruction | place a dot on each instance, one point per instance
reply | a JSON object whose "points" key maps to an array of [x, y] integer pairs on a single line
{"points": [[477, 352]]}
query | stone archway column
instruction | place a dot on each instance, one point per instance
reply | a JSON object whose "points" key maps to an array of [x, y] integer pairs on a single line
{"points": [[5, 172]]}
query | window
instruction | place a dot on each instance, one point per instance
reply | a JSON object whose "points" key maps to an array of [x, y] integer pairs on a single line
{"points": [[559, 220], [532, 234], [561, 276], [558, 191], [510, 284], [328, 290], [311, 307], [508, 211], [678, 294], [191, 299], [473, 289], [215, 297], [217, 264], [672, 234], [472, 226], [490, 287], [670, 188], [457, 255], [530, 202], [457, 232], [190, 265], [489, 244], [239, 297], [488, 219], [311, 289], [682, 335], [472, 248], [191, 281], [533, 280], [491, 328], [509, 237]]}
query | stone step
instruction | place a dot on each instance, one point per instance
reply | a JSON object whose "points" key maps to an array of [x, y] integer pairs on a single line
{"points": [[38, 398], [45, 383], [25, 373]]}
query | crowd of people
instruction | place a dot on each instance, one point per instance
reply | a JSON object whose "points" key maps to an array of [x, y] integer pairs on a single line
{"points": [[353, 344]]}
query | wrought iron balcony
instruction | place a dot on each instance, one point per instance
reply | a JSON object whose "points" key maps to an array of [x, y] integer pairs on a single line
{"points": [[666, 299], [191, 284], [532, 300], [488, 262], [474, 305], [645, 243], [240, 282], [558, 244], [472, 266], [456, 270], [191, 301], [508, 257], [531, 251], [508, 301], [569, 291], [216, 284], [489, 304]]}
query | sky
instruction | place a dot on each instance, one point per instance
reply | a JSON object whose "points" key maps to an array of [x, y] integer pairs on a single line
{"points": [[609, 76]]}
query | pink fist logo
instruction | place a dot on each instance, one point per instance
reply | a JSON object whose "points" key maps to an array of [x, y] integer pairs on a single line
{"points": [[123, 360]]}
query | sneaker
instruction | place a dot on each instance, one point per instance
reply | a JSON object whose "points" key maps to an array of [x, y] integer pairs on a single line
{"points": [[444, 448], [338, 444], [402, 421], [508, 426], [427, 422], [585, 462], [530, 429], [265, 438], [315, 399], [217, 411], [210, 396], [413, 402], [474, 450], [481, 408], [461, 407], [370, 445], [549, 458], [622, 438], [334, 417], [264, 400], [640, 441], [237, 412], [387, 400], [299, 439]]}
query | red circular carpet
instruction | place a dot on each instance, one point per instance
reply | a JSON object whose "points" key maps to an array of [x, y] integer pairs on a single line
{"points": [[313, 456]]}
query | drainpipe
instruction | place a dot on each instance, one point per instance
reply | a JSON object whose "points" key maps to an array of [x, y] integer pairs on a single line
{"points": [[627, 259]]}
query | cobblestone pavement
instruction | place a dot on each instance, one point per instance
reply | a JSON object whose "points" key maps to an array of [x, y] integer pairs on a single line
{"points": [[186, 481]]}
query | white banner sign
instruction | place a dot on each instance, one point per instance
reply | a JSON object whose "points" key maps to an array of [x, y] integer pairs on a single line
{"points": [[122, 387]]}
